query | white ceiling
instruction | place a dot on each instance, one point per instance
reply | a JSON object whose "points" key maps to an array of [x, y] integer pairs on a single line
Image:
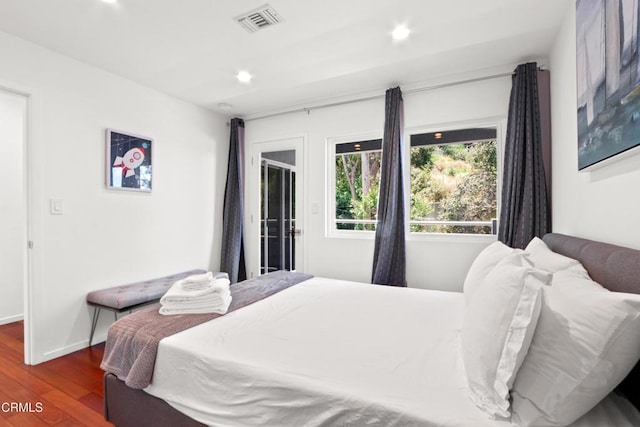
{"points": [[323, 50]]}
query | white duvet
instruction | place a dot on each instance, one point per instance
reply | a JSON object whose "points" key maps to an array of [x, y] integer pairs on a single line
{"points": [[329, 352]]}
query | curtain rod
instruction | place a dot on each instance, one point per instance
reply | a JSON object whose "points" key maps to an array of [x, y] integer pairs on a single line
{"points": [[369, 98]]}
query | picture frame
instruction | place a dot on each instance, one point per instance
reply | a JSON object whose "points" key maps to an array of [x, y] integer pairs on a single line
{"points": [[608, 81], [129, 161]]}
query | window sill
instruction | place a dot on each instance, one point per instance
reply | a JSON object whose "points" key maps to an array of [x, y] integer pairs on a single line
{"points": [[417, 237], [452, 238], [350, 234]]}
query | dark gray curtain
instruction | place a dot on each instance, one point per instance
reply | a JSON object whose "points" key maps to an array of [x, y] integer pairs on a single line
{"points": [[525, 211], [389, 259], [232, 259]]}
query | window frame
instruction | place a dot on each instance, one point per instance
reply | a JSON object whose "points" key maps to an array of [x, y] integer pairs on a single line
{"points": [[500, 125], [331, 231], [330, 192]]}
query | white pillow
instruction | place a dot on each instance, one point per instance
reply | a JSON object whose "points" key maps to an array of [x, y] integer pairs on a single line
{"points": [[587, 340], [497, 330], [544, 258], [486, 260]]}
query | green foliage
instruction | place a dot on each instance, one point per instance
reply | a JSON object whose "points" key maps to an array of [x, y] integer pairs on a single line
{"points": [[456, 151], [357, 195], [343, 193], [422, 156], [367, 207], [455, 182], [474, 198], [484, 156]]}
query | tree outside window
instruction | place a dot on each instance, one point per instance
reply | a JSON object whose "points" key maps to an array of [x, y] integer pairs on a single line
{"points": [[453, 182], [453, 188], [357, 168]]}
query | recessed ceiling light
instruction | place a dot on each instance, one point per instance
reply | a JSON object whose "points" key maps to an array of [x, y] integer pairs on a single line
{"points": [[110, 1], [224, 106], [401, 32], [244, 76]]}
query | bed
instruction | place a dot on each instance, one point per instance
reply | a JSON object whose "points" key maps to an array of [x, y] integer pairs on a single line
{"points": [[328, 352]]}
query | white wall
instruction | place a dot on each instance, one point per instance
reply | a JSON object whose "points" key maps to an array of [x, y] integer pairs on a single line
{"points": [[12, 205], [434, 263], [109, 237], [603, 204]]}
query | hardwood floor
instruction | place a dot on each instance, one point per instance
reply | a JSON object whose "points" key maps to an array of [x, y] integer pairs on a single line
{"points": [[62, 392]]}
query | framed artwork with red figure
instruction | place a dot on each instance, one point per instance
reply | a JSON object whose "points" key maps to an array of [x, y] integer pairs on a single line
{"points": [[129, 161]]}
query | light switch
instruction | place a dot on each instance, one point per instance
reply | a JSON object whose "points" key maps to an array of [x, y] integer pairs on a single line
{"points": [[314, 207], [56, 206]]}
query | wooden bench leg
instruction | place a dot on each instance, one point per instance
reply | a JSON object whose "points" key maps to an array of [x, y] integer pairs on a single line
{"points": [[94, 323]]}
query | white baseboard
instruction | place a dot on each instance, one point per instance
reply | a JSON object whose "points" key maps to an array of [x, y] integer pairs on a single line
{"points": [[11, 319], [63, 351]]}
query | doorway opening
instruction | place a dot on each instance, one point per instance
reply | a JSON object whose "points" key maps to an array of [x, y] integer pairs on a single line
{"points": [[275, 221], [278, 211], [14, 214]]}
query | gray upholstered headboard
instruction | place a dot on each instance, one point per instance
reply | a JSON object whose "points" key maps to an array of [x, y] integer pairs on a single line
{"points": [[614, 267]]}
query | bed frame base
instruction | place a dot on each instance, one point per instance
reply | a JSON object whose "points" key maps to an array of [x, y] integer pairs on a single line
{"points": [[127, 407]]}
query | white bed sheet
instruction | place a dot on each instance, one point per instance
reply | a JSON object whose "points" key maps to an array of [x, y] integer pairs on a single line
{"points": [[329, 352]]}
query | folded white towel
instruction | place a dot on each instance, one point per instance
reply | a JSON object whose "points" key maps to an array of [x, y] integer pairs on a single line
{"points": [[203, 277], [220, 306], [213, 297], [197, 281], [195, 286], [179, 293], [210, 298]]}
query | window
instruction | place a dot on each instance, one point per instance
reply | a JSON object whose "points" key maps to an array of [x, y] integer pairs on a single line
{"points": [[453, 181], [357, 179]]}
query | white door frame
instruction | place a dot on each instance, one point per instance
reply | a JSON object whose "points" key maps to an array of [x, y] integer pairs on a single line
{"points": [[30, 181], [252, 199]]}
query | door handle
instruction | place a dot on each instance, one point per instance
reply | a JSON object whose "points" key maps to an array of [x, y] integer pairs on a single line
{"points": [[295, 232]]}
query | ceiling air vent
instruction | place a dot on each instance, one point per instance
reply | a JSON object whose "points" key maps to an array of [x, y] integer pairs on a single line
{"points": [[257, 19]]}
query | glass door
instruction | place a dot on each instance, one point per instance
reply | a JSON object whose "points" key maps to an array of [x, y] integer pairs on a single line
{"points": [[277, 223]]}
